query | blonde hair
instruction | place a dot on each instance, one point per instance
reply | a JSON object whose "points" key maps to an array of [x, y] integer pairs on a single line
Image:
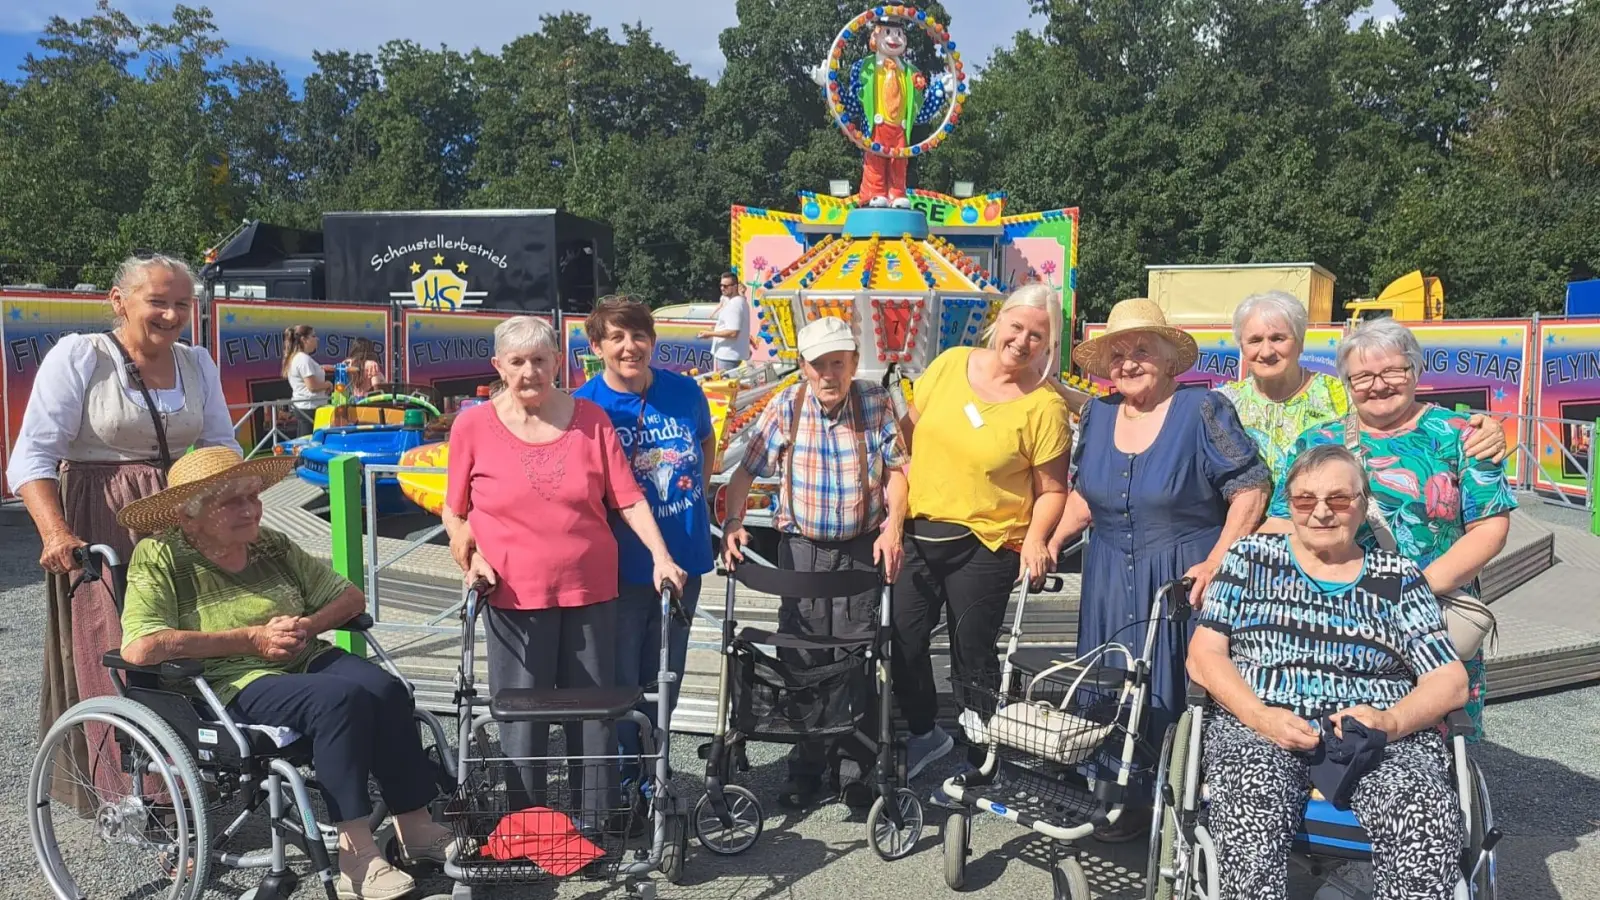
{"points": [[1033, 296]]}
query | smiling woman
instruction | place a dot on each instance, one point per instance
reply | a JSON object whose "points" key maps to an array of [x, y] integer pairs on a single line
{"points": [[107, 415]]}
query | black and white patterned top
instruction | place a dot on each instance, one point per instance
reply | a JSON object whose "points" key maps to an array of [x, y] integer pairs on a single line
{"points": [[1314, 650]]}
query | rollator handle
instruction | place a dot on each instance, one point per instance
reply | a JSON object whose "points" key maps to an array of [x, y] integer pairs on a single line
{"points": [[1178, 607], [481, 587], [674, 599]]}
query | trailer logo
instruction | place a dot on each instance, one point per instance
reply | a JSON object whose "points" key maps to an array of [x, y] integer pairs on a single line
{"points": [[440, 288]]}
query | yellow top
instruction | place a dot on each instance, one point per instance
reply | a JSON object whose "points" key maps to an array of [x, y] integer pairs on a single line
{"points": [[972, 461]]}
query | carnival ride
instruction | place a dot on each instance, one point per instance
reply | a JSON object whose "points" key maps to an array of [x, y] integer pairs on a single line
{"points": [[378, 429]]}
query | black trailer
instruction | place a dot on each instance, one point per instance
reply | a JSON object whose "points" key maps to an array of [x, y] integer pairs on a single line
{"points": [[526, 260], [262, 261]]}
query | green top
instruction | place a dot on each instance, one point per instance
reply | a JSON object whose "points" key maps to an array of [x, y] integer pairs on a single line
{"points": [[172, 586], [1275, 426]]}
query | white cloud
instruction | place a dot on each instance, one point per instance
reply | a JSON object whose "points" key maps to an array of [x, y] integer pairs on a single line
{"points": [[292, 29]]}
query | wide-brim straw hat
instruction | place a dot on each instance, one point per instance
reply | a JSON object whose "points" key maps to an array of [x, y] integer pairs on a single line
{"points": [[1131, 316], [193, 473]]}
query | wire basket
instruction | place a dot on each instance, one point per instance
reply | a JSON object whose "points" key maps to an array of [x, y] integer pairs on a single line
{"points": [[531, 821]]}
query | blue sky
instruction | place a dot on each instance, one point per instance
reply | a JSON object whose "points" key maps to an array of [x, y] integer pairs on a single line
{"points": [[288, 31]]}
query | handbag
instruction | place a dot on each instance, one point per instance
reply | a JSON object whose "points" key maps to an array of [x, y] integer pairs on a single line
{"points": [[1468, 620], [132, 369], [1051, 732]]}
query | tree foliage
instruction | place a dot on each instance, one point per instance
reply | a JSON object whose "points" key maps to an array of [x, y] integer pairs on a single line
{"points": [[1463, 138]]}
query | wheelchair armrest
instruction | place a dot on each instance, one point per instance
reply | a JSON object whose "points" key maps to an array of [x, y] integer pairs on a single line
{"points": [[1197, 695], [172, 668], [362, 622], [1458, 724]]}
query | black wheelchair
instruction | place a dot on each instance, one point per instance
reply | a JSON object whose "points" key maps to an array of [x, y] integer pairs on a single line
{"points": [[167, 762]]}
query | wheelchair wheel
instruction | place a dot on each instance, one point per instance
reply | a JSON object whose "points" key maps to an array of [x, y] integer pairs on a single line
{"points": [[1482, 887], [745, 811], [148, 832], [675, 849], [1170, 769], [955, 851], [1068, 880], [889, 842]]}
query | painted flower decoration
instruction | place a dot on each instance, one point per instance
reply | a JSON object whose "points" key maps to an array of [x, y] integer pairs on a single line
{"points": [[760, 263], [1048, 267], [685, 483]]}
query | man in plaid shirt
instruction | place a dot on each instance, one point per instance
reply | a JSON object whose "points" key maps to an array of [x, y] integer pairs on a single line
{"points": [[835, 443]]}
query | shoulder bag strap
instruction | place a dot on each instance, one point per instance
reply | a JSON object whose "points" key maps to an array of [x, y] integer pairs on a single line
{"points": [[786, 457], [149, 401], [1375, 521]]}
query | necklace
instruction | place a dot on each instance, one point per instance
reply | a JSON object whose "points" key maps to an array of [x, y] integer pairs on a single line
{"points": [[1133, 415]]}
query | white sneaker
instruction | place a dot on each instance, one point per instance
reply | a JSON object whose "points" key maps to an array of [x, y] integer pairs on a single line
{"points": [[972, 725]]}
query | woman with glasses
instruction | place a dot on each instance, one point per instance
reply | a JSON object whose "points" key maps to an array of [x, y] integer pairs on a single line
{"points": [[1278, 398], [1448, 512], [1310, 625]]}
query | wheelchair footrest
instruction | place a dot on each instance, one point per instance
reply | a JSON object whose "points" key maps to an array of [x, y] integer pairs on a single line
{"points": [[563, 704]]}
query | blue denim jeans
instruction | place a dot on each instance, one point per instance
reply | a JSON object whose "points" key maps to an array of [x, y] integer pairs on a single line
{"points": [[639, 652]]}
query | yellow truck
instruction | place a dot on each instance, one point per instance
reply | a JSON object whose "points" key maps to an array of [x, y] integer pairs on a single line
{"points": [[1207, 295], [1413, 297]]}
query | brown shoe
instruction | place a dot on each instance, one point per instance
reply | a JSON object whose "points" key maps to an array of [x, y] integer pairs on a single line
{"points": [[381, 882]]}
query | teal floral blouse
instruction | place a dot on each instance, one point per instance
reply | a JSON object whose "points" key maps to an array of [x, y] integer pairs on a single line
{"points": [[1428, 489]]}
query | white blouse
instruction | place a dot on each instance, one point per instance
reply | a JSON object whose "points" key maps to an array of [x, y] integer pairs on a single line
{"points": [[55, 409]]}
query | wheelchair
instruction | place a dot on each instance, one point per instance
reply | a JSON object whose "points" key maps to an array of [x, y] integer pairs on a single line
{"points": [[166, 763], [1183, 861]]}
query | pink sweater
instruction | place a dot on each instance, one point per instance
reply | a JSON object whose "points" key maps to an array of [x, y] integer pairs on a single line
{"points": [[538, 511]]}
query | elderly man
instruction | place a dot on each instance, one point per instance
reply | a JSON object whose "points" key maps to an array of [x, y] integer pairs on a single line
{"points": [[841, 505]]}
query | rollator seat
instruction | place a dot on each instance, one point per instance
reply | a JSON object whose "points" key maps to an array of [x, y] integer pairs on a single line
{"points": [[804, 641], [563, 704]]}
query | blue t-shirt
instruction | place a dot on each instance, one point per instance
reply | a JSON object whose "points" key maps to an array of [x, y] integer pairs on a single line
{"points": [[661, 435]]}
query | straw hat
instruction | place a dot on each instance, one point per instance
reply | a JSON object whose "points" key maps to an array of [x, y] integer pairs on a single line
{"points": [[195, 472], [1129, 316]]}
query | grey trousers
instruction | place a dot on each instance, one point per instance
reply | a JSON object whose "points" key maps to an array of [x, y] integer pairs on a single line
{"points": [[829, 617], [567, 647]]}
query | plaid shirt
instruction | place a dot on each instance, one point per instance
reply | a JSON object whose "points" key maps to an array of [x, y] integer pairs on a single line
{"points": [[826, 501]]}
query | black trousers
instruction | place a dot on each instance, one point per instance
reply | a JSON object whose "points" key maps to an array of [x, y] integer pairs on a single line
{"points": [[823, 616], [359, 720], [960, 577]]}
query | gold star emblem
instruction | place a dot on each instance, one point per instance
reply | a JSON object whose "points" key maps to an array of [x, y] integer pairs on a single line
{"points": [[416, 268], [438, 259], [462, 267]]}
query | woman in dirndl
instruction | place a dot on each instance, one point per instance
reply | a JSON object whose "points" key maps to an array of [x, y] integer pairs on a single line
{"points": [[89, 445]]}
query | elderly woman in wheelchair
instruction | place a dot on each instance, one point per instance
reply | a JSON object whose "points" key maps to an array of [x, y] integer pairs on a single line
{"points": [[1326, 665], [237, 608]]}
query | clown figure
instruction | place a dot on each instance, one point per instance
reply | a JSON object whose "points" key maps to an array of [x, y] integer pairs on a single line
{"points": [[887, 96]]}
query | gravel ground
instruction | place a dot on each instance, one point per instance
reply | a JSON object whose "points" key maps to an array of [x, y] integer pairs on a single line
{"points": [[1541, 765]]}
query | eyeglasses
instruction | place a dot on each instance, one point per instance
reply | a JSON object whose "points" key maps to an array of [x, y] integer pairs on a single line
{"points": [[1393, 377], [1306, 503]]}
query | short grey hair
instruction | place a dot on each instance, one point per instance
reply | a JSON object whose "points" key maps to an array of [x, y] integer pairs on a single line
{"points": [[1033, 296], [1312, 460], [1280, 304], [1378, 336], [525, 333]]}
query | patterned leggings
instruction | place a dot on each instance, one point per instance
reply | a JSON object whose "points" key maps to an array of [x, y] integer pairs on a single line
{"points": [[1407, 805]]}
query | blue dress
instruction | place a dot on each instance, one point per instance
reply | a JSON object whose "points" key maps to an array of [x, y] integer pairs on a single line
{"points": [[1156, 514]]}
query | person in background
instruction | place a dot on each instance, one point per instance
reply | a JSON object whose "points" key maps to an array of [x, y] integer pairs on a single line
{"points": [[1448, 512], [1279, 398], [988, 482], [842, 506], [534, 476], [730, 335], [1306, 625], [308, 382], [1169, 479], [363, 368], [90, 444], [663, 422]]}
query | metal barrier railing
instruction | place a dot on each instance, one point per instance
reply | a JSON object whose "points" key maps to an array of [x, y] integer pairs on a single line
{"points": [[1574, 489], [274, 434]]}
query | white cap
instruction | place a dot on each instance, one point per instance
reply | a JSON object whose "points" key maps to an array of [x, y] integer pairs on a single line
{"points": [[824, 336]]}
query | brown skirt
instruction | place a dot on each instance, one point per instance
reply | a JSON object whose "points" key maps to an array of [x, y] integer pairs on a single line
{"points": [[80, 629]]}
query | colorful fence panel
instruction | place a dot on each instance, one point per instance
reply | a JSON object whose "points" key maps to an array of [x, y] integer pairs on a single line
{"points": [[247, 340], [1566, 363], [452, 351], [679, 348]]}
